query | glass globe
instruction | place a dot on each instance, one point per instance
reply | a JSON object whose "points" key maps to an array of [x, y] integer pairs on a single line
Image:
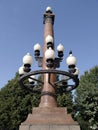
{"points": [[37, 47], [49, 54], [71, 60], [27, 59], [49, 38], [21, 70], [60, 47], [31, 79], [48, 9]]}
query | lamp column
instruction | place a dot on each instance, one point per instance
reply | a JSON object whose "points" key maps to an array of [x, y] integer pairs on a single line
{"points": [[48, 116], [48, 98]]}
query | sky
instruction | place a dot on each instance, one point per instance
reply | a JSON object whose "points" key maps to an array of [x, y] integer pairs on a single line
{"points": [[21, 27]]}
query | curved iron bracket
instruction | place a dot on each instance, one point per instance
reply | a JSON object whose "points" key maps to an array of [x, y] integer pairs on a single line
{"points": [[59, 86]]}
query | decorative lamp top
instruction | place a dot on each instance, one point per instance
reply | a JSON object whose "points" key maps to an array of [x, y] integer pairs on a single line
{"points": [[48, 9], [71, 60], [60, 47], [37, 47], [49, 38], [50, 54], [27, 59]]}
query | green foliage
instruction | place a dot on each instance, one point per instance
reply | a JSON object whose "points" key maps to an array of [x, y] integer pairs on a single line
{"points": [[65, 100], [87, 99], [15, 104]]}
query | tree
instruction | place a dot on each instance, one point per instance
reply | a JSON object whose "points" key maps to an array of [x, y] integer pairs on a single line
{"points": [[65, 99], [87, 99], [15, 104]]}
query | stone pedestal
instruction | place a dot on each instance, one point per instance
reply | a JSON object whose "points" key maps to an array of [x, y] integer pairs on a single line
{"points": [[55, 118]]}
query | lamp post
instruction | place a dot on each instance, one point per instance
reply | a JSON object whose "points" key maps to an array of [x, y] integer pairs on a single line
{"points": [[49, 64]]}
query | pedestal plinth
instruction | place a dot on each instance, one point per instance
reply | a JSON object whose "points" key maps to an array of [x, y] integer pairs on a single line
{"points": [[55, 118]]}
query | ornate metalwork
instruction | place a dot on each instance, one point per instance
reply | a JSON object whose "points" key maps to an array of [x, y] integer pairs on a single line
{"points": [[49, 87], [62, 86]]}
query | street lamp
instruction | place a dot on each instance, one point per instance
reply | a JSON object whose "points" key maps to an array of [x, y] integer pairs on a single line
{"points": [[27, 62], [50, 56], [37, 49], [49, 87], [60, 50], [49, 64], [48, 10], [49, 41]]}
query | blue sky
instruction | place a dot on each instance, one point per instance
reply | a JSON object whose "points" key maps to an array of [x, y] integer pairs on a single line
{"points": [[21, 26]]}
